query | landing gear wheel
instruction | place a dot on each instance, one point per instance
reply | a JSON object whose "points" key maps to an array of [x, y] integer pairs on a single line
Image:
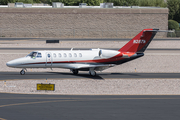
{"points": [[75, 72], [22, 72], [92, 73]]}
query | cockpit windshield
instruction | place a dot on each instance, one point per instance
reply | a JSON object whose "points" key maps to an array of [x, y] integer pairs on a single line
{"points": [[32, 54]]}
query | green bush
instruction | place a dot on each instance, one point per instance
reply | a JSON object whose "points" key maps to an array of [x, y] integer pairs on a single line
{"points": [[157, 3], [171, 34], [172, 24]]}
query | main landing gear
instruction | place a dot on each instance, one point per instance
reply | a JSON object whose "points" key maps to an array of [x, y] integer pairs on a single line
{"points": [[22, 72], [92, 72], [75, 72]]}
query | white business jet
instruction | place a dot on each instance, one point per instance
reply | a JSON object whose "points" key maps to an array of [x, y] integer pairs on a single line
{"points": [[86, 60]]}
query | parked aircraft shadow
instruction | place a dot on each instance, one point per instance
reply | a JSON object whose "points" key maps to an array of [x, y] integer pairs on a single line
{"points": [[66, 75], [78, 75], [129, 74]]}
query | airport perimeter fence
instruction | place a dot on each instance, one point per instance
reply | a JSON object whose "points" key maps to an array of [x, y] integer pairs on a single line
{"points": [[75, 33], [176, 33]]}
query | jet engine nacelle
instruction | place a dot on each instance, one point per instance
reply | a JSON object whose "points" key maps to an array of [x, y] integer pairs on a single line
{"points": [[108, 53]]}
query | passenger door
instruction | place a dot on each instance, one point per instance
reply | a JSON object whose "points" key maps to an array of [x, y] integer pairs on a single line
{"points": [[48, 59]]}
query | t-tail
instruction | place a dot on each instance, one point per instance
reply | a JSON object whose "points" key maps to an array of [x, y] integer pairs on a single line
{"points": [[140, 42]]}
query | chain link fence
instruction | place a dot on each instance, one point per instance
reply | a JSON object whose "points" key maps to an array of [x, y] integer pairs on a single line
{"points": [[176, 33], [72, 33]]}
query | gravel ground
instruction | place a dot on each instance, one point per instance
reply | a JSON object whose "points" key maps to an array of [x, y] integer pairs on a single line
{"points": [[97, 87]]}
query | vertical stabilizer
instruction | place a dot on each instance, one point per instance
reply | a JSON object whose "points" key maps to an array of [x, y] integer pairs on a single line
{"points": [[140, 42]]}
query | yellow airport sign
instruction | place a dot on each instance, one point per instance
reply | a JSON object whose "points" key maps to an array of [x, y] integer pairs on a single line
{"points": [[50, 87]]}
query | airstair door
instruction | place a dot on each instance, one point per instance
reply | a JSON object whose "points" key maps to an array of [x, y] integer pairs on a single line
{"points": [[48, 59]]}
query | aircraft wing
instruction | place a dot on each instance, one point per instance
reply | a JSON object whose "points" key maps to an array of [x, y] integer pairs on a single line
{"points": [[97, 67]]}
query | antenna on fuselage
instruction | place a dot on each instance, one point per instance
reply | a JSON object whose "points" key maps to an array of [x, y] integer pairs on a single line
{"points": [[71, 49]]}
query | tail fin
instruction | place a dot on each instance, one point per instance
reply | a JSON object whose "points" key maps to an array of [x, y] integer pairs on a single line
{"points": [[140, 42]]}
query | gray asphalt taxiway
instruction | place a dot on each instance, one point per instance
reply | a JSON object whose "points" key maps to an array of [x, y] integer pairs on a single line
{"points": [[68, 75], [67, 107]]}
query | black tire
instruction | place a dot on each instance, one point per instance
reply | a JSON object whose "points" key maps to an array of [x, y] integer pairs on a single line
{"points": [[75, 72], [91, 74], [22, 72]]}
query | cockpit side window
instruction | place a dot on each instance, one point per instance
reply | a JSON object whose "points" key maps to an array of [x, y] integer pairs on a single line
{"points": [[32, 55]]}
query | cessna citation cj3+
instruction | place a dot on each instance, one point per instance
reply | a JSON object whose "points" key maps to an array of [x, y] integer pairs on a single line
{"points": [[86, 60]]}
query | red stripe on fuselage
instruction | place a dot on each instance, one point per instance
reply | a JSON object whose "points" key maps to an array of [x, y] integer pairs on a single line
{"points": [[113, 59]]}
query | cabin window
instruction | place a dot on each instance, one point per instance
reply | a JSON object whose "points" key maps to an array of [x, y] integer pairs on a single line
{"points": [[39, 55], [49, 55], [75, 55], [70, 55], [65, 55], [59, 54], [54, 54], [80, 55]]}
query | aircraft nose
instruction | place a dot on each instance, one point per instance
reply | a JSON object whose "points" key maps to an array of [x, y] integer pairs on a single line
{"points": [[15, 63], [9, 64]]}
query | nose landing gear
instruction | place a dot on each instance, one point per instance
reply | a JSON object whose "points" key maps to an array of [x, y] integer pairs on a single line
{"points": [[22, 72]]}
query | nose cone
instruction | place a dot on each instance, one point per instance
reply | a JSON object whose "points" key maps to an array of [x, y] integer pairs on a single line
{"points": [[11, 63], [8, 64], [15, 63]]}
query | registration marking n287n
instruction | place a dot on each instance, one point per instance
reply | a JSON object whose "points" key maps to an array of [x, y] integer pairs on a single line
{"points": [[139, 41]]}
